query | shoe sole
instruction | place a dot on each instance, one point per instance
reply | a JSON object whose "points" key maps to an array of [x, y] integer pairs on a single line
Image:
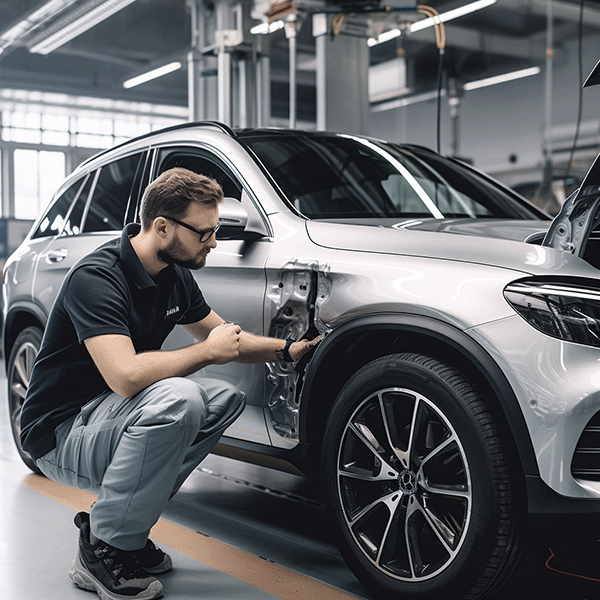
{"points": [[82, 578]]}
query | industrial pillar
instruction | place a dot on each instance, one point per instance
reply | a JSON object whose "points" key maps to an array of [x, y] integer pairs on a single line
{"points": [[242, 69], [262, 67], [342, 78], [202, 72], [196, 91], [290, 33]]}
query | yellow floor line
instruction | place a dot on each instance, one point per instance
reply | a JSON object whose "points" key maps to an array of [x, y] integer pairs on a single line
{"points": [[262, 574]]}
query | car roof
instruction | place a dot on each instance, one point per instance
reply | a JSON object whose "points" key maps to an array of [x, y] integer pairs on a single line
{"points": [[234, 133]]}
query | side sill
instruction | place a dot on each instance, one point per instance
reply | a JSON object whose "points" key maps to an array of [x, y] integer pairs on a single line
{"points": [[292, 461]]}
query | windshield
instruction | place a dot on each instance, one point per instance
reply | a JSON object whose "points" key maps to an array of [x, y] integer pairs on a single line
{"points": [[344, 176]]}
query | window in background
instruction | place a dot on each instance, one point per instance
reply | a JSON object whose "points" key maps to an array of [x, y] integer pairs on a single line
{"points": [[20, 126], [55, 130], [37, 175], [93, 132], [125, 130]]}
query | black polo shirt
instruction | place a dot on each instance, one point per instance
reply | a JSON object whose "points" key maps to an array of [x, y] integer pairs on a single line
{"points": [[107, 292]]}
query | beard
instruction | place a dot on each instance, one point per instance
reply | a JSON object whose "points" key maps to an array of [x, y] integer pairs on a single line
{"points": [[175, 254]]}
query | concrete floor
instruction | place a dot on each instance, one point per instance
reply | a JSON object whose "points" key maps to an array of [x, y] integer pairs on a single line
{"points": [[235, 531]]}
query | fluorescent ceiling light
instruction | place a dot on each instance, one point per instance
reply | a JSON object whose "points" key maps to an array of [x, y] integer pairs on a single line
{"points": [[400, 102], [474, 85], [265, 28], [82, 19], [32, 21], [159, 72], [384, 37], [461, 11]]}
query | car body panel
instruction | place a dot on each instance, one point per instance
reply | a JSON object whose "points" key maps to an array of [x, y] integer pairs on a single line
{"points": [[558, 384], [233, 282], [298, 275], [504, 253]]}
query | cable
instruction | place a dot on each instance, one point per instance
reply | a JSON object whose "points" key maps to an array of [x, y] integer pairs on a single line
{"points": [[580, 102], [440, 39], [439, 99], [337, 23], [440, 29]]}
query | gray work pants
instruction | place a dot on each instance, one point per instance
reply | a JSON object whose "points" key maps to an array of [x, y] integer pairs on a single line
{"points": [[137, 452]]}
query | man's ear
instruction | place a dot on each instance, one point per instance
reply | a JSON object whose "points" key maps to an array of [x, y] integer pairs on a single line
{"points": [[160, 226]]}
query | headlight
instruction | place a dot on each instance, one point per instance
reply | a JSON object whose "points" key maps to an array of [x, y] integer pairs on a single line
{"points": [[568, 312]]}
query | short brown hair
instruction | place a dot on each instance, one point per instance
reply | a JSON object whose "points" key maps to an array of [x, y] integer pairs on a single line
{"points": [[171, 193]]}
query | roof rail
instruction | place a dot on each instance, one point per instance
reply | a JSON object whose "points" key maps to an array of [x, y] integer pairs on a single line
{"points": [[187, 125]]}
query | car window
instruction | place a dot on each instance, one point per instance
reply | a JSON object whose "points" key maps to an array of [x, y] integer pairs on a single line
{"points": [[111, 195], [344, 176], [54, 219], [203, 163], [73, 222], [140, 184]]}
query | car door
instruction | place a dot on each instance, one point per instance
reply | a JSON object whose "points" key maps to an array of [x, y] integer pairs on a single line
{"points": [[233, 283], [97, 215]]}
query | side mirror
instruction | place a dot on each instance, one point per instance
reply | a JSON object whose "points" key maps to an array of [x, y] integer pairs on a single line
{"points": [[233, 218], [236, 223]]}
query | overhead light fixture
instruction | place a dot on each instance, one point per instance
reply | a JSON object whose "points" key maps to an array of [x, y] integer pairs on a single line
{"points": [[480, 83], [461, 11], [83, 18], [33, 20], [153, 74], [265, 28], [386, 36]]}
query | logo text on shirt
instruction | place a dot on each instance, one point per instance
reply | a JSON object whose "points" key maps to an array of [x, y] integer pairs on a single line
{"points": [[172, 311]]}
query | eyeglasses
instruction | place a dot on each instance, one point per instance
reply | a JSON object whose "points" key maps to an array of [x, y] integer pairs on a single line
{"points": [[205, 234]]}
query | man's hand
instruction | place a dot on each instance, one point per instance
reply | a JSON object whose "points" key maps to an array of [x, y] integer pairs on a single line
{"points": [[301, 347], [224, 343]]}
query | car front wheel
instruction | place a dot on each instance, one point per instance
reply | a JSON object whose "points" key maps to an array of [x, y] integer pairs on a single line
{"points": [[419, 484], [20, 365]]}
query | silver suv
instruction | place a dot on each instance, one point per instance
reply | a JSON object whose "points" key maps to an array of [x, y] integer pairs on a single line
{"points": [[454, 404]]}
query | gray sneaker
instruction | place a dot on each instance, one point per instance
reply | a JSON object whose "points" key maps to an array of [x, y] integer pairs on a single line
{"points": [[112, 573], [151, 557]]}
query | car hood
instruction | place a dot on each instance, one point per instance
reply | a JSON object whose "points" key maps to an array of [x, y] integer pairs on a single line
{"points": [[506, 229], [485, 241], [494, 228]]}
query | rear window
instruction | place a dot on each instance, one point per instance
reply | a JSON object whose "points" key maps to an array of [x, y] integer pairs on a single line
{"points": [[53, 221]]}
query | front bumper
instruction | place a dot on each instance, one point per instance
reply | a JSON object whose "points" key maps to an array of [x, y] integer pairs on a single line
{"points": [[557, 386], [559, 521]]}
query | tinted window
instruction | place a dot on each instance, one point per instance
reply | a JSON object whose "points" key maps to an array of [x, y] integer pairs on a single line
{"points": [[73, 224], [111, 195], [352, 177], [54, 219], [203, 164]]}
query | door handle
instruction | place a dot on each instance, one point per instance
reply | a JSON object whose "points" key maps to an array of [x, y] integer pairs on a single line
{"points": [[56, 256]]}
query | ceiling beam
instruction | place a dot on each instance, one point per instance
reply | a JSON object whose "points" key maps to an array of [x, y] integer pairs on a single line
{"points": [[470, 39], [566, 11]]}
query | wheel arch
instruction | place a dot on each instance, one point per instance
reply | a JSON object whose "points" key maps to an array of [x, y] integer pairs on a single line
{"points": [[18, 318], [359, 341]]}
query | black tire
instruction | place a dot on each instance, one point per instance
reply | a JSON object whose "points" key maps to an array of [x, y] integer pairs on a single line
{"points": [[418, 483], [20, 364]]}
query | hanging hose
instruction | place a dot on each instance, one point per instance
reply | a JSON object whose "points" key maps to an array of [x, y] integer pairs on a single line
{"points": [[337, 23], [580, 87], [440, 40]]}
